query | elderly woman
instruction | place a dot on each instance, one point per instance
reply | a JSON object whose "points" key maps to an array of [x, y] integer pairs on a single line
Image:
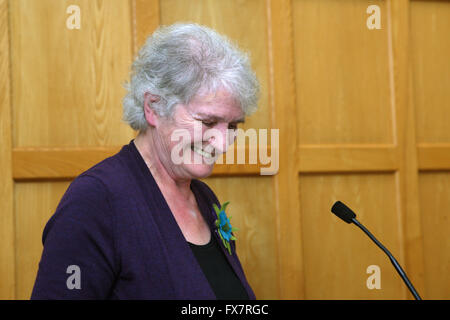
{"points": [[140, 225]]}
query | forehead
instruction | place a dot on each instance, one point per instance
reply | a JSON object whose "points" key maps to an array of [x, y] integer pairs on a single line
{"points": [[220, 104]]}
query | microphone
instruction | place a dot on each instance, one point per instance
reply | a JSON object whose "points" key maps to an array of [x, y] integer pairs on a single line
{"points": [[346, 214]]}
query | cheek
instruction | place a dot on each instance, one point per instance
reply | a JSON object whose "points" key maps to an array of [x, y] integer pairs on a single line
{"points": [[180, 137], [181, 131], [165, 143], [192, 131]]}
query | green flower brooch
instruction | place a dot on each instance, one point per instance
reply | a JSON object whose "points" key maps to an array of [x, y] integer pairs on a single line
{"points": [[223, 225]]}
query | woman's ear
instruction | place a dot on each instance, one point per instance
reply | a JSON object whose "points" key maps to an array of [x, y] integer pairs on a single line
{"points": [[150, 115]]}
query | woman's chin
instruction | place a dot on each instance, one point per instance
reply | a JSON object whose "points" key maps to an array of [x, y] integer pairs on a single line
{"points": [[199, 171]]}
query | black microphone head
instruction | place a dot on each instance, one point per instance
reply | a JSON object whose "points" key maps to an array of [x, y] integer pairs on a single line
{"points": [[343, 212]]}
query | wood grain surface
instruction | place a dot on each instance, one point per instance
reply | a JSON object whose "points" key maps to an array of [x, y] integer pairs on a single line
{"points": [[362, 117]]}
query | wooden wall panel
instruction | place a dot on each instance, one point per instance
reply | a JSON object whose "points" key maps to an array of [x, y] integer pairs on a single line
{"points": [[349, 100], [145, 20], [430, 68], [405, 138], [35, 203], [67, 84], [435, 209], [7, 265], [341, 73], [430, 52], [254, 215], [284, 117], [67, 88], [337, 254]]}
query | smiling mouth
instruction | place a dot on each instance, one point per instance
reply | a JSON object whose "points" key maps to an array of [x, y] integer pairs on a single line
{"points": [[203, 153]]}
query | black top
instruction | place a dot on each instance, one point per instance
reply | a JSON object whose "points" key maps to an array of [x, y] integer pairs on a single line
{"points": [[224, 282]]}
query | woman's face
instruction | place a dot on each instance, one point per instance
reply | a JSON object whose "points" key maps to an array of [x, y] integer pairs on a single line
{"points": [[189, 143]]}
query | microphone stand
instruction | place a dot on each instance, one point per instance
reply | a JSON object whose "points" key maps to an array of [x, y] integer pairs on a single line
{"points": [[391, 257]]}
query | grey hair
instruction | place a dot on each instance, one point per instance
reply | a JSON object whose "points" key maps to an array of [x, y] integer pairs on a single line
{"points": [[179, 61]]}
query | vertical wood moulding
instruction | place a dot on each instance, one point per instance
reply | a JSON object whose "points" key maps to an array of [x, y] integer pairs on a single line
{"points": [[283, 117], [7, 261], [407, 175], [145, 17], [132, 4]]}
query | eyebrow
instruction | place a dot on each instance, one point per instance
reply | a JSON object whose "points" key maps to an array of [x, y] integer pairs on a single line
{"points": [[205, 116]]}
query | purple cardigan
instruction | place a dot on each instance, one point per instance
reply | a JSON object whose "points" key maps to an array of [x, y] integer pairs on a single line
{"points": [[114, 224]]}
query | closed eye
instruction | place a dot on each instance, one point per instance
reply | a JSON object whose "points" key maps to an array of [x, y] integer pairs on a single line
{"points": [[209, 124], [233, 126]]}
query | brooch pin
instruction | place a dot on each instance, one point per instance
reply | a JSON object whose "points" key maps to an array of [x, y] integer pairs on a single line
{"points": [[223, 225]]}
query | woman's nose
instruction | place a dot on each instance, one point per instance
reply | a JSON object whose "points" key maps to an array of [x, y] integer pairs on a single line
{"points": [[220, 137]]}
